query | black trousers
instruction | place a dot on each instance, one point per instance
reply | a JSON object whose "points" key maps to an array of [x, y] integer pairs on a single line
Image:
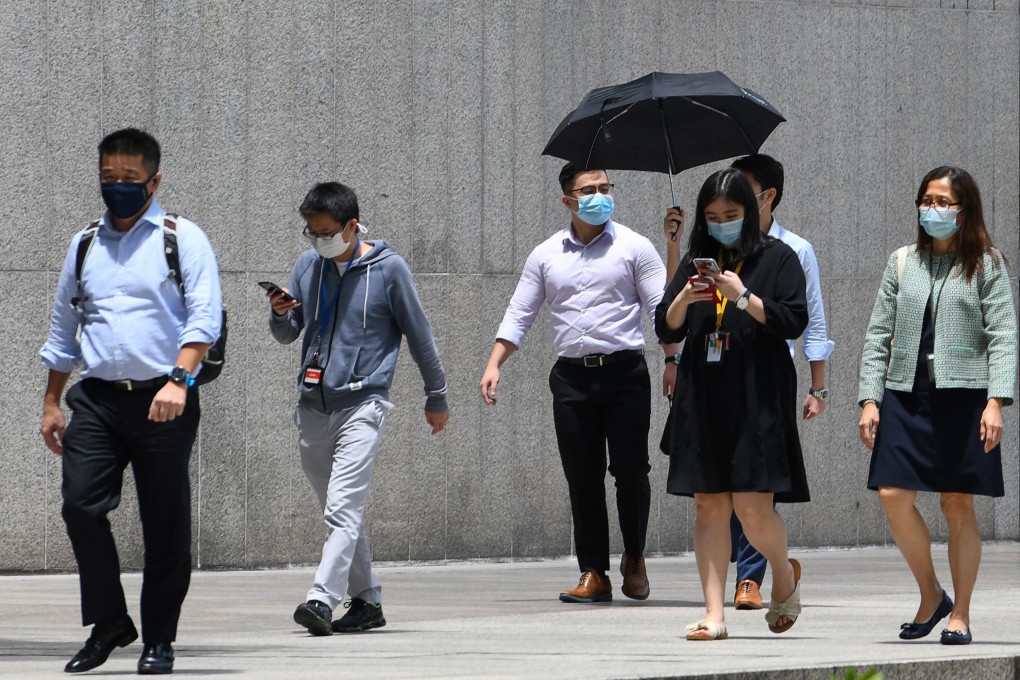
{"points": [[596, 408], [109, 429]]}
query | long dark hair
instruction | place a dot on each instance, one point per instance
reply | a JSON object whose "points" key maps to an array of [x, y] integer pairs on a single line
{"points": [[729, 184], [972, 240]]}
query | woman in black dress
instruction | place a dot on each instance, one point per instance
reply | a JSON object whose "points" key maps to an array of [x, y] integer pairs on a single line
{"points": [[734, 444], [939, 363]]}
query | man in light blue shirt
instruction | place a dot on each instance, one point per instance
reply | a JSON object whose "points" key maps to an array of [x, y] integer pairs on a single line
{"points": [[766, 177], [139, 339]]}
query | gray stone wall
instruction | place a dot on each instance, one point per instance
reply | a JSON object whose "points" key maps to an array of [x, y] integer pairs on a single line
{"points": [[436, 113]]}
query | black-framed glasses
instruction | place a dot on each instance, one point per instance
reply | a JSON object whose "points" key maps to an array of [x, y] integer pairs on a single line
{"points": [[941, 202], [311, 235], [592, 189]]}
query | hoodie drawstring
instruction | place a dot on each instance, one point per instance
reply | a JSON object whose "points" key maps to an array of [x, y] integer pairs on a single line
{"points": [[364, 310]]}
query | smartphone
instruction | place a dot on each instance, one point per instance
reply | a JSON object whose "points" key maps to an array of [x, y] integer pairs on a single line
{"points": [[274, 289], [702, 283], [706, 266]]}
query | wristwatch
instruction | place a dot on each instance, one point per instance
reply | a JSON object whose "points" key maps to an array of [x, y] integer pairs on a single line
{"points": [[179, 375], [744, 299], [822, 394], [672, 358]]}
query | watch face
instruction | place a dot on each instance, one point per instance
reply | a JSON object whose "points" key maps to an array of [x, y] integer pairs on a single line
{"points": [[179, 374], [742, 303]]}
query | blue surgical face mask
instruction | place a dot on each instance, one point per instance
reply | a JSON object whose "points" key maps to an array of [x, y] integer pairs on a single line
{"points": [[125, 199], [596, 208], [726, 233], [939, 223]]}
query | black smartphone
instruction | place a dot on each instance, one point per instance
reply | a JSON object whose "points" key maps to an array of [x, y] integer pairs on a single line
{"points": [[274, 289]]}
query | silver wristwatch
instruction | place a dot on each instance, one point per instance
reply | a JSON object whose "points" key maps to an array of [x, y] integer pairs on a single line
{"points": [[822, 394], [744, 299]]}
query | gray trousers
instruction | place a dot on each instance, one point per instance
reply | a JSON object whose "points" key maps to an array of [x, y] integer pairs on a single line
{"points": [[338, 456]]}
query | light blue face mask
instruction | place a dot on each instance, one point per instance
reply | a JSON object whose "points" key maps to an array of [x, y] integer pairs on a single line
{"points": [[596, 208], [726, 233], [938, 223]]}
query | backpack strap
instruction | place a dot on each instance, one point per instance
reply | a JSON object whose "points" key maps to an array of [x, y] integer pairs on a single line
{"points": [[88, 238], [170, 248]]}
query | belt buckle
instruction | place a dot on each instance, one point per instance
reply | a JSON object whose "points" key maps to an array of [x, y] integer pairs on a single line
{"points": [[596, 360], [125, 385]]}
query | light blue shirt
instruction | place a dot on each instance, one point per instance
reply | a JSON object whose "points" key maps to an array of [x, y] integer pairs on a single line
{"points": [[134, 317], [817, 346]]}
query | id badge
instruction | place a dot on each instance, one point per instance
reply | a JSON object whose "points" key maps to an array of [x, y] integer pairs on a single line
{"points": [[313, 375], [715, 345], [931, 367]]}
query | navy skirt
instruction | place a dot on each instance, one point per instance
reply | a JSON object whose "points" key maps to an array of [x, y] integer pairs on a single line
{"points": [[929, 439]]}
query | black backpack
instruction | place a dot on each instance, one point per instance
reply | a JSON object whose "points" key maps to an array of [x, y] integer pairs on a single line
{"points": [[212, 363]]}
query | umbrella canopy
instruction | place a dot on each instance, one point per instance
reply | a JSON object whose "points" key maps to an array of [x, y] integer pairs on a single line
{"points": [[664, 122]]}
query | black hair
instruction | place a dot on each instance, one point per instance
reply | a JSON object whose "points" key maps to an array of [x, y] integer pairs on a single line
{"points": [[572, 170], [131, 142], [767, 172], [731, 185], [334, 198]]}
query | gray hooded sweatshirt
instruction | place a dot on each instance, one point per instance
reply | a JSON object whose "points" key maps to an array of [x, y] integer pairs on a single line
{"points": [[354, 336]]}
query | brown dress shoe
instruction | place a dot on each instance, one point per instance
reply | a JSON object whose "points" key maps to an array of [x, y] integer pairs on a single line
{"points": [[593, 587], [635, 580], [748, 595]]}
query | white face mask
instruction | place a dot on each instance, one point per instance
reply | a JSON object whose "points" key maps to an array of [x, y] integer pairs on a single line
{"points": [[336, 245]]}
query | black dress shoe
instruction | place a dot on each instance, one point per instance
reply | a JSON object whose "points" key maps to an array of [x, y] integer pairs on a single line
{"points": [[157, 659], [104, 639]]}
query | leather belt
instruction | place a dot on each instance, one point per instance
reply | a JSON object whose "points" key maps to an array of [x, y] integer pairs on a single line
{"points": [[131, 385], [598, 360]]}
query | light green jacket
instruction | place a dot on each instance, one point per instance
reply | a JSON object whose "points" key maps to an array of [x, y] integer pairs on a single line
{"points": [[975, 328]]}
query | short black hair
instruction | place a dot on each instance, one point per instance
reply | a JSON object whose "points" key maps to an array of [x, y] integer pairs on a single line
{"points": [[572, 170], [767, 172], [339, 200], [131, 142]]}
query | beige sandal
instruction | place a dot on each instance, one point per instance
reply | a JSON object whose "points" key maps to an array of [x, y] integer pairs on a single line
{"points": [[707, 630], [790, 608]]}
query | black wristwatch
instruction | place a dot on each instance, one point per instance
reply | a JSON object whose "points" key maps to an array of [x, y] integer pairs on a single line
{"points": [[672, 358], [822, 394], [179, 375]]}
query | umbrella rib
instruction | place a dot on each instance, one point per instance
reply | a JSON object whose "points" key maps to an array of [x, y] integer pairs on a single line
{"points": [[724, 114], [601, 127]]}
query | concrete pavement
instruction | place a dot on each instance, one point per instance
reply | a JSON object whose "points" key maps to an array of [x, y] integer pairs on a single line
{"points": [[502, 620]]}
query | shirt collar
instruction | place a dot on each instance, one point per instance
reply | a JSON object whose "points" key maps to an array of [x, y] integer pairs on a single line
{"points": [[153, 215], [609, 231], [777, 230]]}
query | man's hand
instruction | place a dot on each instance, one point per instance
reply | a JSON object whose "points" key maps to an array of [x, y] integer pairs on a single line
{"points": [[813, 407], [281, 307], [437, 421], [669, 379], [168, 402], [673, 225], [490, 381], [869, 424], [52, 428]]}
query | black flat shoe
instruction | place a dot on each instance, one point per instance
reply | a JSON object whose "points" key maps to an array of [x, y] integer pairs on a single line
{"points": [[952, 637], [915, 631], [100, 644], [156, 659]]}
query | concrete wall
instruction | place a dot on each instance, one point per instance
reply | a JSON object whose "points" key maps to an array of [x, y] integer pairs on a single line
{"points": [[436, 112]]}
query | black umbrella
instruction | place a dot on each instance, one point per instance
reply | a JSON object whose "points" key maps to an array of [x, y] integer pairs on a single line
{"points": [[664, 122]]}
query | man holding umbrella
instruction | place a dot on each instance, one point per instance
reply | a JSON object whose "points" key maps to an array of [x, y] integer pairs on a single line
{"points": [[598, 277]]}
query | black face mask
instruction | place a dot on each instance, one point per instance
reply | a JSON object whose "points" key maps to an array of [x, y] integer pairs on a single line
{"points": [[125, 199]]}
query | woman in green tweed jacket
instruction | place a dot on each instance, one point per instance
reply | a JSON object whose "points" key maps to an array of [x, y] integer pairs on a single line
{"points": [[939, 363]]}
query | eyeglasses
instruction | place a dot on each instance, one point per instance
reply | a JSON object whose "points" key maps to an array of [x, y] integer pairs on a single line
{"points": [[938, 201], [591, 189], [311, 235]]}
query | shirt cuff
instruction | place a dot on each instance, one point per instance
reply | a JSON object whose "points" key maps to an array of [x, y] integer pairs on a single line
{"points": [[820, 351]]}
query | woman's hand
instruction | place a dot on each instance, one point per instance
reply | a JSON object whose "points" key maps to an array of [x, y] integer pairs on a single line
{"points": [[729, 284], [991, 424], [869, 424], [677, 312]]}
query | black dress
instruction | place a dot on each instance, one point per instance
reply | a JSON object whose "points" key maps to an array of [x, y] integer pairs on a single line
{"points": [[735, 423], [929, 439]]}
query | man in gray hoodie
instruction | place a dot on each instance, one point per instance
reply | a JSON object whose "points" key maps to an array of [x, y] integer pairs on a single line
{"points": [[354, 300]]}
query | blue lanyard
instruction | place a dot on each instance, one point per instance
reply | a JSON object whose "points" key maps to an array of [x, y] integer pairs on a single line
{"points": [[327, 313]]}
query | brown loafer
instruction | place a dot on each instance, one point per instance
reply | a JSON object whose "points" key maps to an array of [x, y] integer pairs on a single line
{"points": [[635, 579], [593, 587], [748, 595]]}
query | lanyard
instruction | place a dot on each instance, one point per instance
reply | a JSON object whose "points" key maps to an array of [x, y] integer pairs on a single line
{"points": [[931, 273], [327, 313], [720, 301]]}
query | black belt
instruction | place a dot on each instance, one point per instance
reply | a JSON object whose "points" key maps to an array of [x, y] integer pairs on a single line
{"points": [[597, 360], [131, 385]]}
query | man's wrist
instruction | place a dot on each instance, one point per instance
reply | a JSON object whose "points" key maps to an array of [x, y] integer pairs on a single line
{"points": [[672, 359]]}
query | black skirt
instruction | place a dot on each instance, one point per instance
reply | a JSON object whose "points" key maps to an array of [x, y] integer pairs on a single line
{"points": [[929, 439]]}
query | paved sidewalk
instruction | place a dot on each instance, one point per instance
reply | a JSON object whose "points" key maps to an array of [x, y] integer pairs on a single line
{"points": [[502, 620]]}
